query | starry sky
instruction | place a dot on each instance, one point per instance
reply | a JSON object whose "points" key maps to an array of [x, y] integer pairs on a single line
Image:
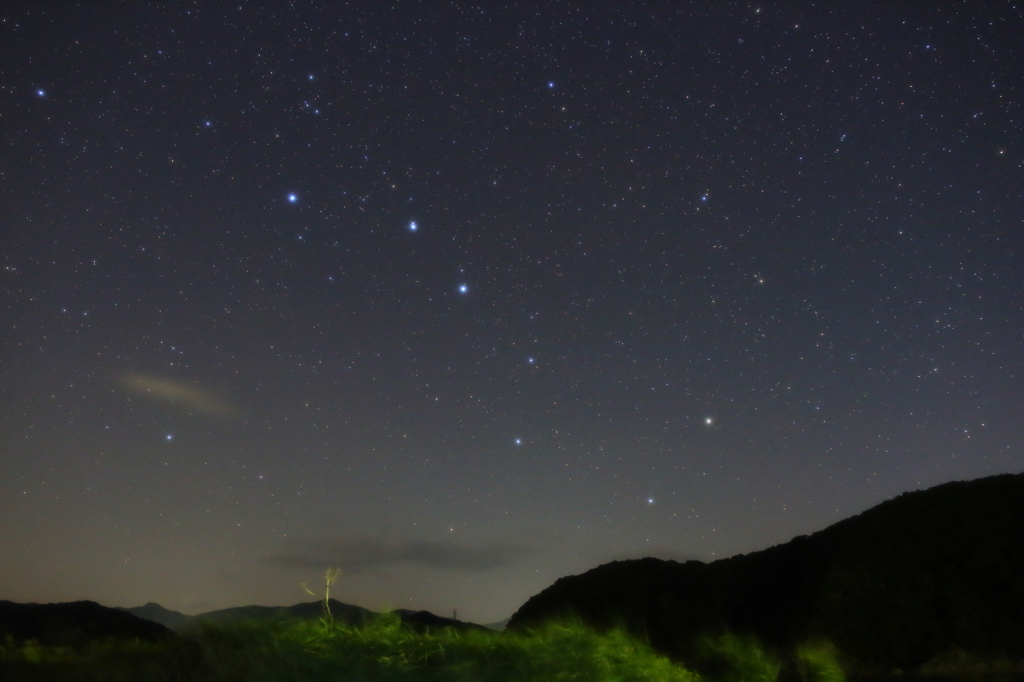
{"points": [[462, 298]]}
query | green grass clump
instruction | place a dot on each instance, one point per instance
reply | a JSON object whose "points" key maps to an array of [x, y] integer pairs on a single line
{"points": [[818, 661], [735, 658], [383, 650], [387, 650]]}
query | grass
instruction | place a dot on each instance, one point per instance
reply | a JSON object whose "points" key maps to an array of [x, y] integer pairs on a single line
{"points": [[384, 650], [734, 658]]}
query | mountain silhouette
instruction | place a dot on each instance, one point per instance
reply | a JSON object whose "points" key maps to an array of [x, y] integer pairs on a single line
{"points": [[73, 624], [926, 574], [173, 620], [340, 612], [499, 625]]}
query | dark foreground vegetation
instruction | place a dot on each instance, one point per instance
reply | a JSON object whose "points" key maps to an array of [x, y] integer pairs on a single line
{"points": [[381, 649], [385, 649], [907, 586]]}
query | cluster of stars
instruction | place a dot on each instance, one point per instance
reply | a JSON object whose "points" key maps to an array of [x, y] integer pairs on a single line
{"points": [[391, 255]]}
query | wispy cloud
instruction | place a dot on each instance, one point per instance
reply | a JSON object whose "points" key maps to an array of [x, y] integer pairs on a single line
{"points": [[188, 396], [358, 554]]}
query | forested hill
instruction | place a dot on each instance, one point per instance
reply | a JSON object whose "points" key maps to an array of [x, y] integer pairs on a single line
{"points": [[919, 576]]}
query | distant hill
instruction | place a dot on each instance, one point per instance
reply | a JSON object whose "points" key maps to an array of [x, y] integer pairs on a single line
{"points": [[928, 573], [341, 612], [73, 624], [499, 626], [173, 620], [425, 620]]}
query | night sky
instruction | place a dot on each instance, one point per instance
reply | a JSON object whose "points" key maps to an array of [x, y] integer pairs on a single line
{"points": [[462, 298]]}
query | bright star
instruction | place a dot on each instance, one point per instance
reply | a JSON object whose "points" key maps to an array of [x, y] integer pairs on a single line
{"points": [[519, 441], [463, 289], [41, 93], [169, 437], [292, 198], [650, 500], [709, 421], [529, 360], [412, 226], [551, 84]]}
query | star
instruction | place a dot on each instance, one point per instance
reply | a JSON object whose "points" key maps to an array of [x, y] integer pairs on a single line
{"points": [[293, 198], [412, 226], [709, 421], [169, 437], [41, 93], [463, 289], [551, 85], [519, 441]]}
